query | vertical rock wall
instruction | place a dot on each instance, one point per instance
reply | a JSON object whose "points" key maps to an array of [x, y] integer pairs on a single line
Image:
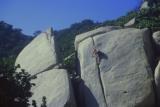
{"points": [[124, 76]]}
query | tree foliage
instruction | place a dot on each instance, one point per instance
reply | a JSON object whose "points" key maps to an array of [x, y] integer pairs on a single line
{"points": [[121, 20], [149, 18], [34, 104], [44, 102], [12, 40], [15, 86], [66, 36], [66, 39]]}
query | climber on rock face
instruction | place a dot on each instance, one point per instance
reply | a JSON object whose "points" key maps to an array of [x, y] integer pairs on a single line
{"points": [[96, 53]]}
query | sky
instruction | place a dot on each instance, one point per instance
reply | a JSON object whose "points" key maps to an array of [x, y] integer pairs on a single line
{"points": [[33, 15]]}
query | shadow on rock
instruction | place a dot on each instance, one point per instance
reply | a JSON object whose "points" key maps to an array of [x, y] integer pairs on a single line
{"points": [[102, 55], [84, 96]]}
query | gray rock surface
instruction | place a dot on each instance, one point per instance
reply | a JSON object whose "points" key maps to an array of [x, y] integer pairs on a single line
{"points": [[86, 35], [55, 86], [91, 86], [123, 78], [39, 58], [157, 81], [40, 54], [130, 23], [145, 5], [156, 37]]}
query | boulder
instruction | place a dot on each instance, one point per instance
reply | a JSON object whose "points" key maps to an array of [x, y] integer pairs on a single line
{"points": [[39, 58], [145, 5], [124, 76], [149, 3], [55, 86], [157, 82], [130, 23], [156, 38], [40, 54]]}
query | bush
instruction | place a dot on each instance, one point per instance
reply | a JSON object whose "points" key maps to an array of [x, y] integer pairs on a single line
{"points": [[149, 18], [15, 86]]}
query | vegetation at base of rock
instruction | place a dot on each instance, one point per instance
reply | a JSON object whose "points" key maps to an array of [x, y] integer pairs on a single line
{"points": [[15, 86], [44, 102], [69, 64], [34, 104]]}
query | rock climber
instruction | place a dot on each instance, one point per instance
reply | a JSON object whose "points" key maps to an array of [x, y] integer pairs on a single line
{"points": [[96, 53]]}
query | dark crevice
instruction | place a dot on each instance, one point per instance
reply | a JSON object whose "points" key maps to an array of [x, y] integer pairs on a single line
{"points": [[99, 75], [151, 54], [76, 82], [80, 89]]}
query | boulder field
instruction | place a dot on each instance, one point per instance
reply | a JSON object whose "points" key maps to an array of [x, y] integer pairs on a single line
{"points": [[115, 68]]}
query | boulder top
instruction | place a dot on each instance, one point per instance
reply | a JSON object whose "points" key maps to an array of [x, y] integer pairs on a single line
{"points": [[49, 31], [40, 54]]}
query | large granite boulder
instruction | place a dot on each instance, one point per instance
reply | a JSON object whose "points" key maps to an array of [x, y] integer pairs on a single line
{"points": [[157, 82], [40, 54], [55, 86], [39, 58], [124, 76], [156, 38]]}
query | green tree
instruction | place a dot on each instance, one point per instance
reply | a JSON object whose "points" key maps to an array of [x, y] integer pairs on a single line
{"points": [[149, 18], [15, 86], [12, 40], [44, 102], [34, 104]]}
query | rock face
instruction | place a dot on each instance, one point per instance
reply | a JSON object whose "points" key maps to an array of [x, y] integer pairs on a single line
{"points": [[40, 54], [156, 38], [145, 5], [123, 77], [130, 23], [157, 82], [39, 58], [86, 35], [55, 86]]}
